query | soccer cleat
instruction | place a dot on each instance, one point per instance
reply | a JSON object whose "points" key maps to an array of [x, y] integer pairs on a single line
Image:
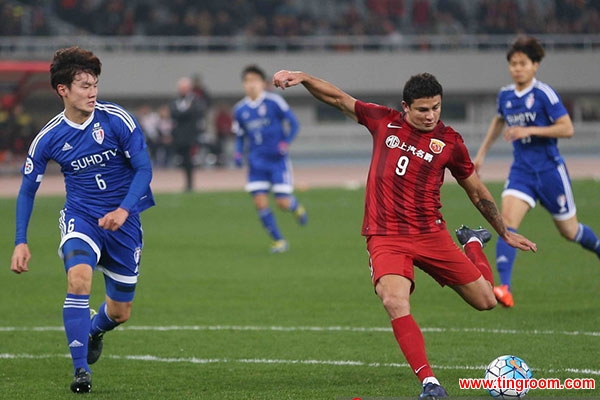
{"points": [[279, 246], [301, 215], [95, 344], [433, 391], [504, 296], [82, 382], [464, 234]]}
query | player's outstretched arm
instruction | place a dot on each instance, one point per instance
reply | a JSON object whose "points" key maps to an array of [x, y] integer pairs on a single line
{"points": [[483, 200], [493, 132], [320, 89], [20, 258]]}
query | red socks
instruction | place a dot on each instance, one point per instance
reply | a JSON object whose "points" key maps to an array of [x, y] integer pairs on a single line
{"points": [[474, 251], [409, 337]]}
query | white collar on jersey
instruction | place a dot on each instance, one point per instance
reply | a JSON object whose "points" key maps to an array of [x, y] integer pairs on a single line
{"points": [[521, 93], [78, 126], [255, 103]]}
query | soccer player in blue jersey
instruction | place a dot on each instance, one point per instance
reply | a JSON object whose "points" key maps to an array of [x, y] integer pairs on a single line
{"points": [[102, 154], [536, 119], [265, 121]]}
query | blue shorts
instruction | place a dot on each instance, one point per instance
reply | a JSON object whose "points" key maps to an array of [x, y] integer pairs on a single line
{"points": [[116, 254], [272, 175], [551, 187]]}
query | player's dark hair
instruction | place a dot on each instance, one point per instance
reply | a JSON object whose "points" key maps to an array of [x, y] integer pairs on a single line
{"points": [[527, 45], [69, 62], [421, 86], [254, 69]]}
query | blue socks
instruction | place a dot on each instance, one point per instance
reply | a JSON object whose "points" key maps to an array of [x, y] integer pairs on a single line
{"points": [[101, 322], [587, 239], [293, 204], [505, 259], [76, 319], [268, 220]]}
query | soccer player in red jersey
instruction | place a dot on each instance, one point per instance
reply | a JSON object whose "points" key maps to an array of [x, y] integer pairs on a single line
{"points": [[402, 224]]}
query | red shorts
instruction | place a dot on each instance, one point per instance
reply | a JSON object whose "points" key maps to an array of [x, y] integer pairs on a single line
{"points": [[435, 253]]}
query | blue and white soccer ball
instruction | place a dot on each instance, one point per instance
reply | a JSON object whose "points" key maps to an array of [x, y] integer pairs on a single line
{"points": [[510, 372]]}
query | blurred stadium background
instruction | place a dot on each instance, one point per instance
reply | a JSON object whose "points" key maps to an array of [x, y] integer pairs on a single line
{"points": [[367, 47]]}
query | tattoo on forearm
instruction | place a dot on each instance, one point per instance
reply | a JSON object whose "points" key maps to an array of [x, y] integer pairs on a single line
{"points": [[489, 210]]}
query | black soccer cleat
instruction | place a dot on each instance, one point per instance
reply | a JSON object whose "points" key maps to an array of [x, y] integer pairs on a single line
{"points": [[433, 391], [464, 233], [82, 382], [95, 345]]}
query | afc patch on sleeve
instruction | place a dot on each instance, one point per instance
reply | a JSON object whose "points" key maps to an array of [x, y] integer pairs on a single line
{"points": [[28, 167]]}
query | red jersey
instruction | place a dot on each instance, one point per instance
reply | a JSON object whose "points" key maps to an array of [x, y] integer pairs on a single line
{"points": [[407, 172]]}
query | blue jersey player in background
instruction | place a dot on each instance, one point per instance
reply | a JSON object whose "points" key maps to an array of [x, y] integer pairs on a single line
{"points": [[102, 154], [265, 123], [536, 119]]}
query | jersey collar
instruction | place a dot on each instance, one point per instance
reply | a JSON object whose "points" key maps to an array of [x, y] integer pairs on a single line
{"points": [[521, 93], [257, 102], [79, 126]]}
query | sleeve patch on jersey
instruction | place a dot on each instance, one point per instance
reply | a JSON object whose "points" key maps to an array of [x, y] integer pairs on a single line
{"points": [[39, 178], [28, 168]]}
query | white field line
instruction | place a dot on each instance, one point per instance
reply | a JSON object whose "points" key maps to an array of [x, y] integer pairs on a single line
{"points": [[308, 329], [351, 363]]}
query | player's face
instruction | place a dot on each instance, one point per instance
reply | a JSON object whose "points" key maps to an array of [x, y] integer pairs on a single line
{"points": [[424, 113], [80, 98], [522, 69], [253, 85]]}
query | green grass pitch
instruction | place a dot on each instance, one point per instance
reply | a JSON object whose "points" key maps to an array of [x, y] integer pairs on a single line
{"points": [[218, 317]]}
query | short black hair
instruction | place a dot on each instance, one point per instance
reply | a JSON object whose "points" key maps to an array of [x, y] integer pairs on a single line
{"points": [[527, 45], [254, 69], [69, 62], [420, 86]]}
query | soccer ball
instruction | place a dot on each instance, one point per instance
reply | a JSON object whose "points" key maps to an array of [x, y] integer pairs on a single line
{"points": [[510, 372]]}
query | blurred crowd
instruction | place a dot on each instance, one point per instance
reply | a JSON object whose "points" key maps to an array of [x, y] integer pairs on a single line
{"points": [[17, 130], [289, 18], [205, 141]]}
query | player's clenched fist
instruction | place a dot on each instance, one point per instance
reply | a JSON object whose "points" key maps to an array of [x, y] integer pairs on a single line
{"points": [[20, 258], [284, 79], [113, 220]]}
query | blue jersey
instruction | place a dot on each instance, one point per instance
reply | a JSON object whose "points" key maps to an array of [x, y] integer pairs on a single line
{"points": [[93, 157], [537, 105], [264, 123]]}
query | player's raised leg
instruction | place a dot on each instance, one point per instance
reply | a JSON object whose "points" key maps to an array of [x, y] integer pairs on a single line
{"points": [[473, 241], [110, 314]]}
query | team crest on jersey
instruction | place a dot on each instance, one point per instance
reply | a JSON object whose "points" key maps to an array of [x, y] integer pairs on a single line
{"points": [[508, 104], [529, 101], [98, 133], [28, 168], [392, 141], [436, 146], [262, 110]]}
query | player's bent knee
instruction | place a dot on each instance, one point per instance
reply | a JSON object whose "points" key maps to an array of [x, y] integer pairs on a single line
{"points": [[395, 305], [478, 294], [118, 311], [486, 304]]}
